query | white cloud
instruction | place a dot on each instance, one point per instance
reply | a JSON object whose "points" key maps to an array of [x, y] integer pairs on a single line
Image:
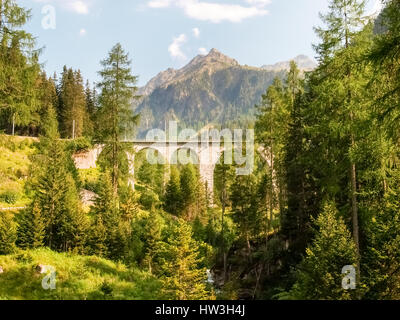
{"points": [[77, 6], [260, 3], [196, 32], [215, 12], [203, 51], [376, 8], [82, 32], [159, 3], [175, 48]]}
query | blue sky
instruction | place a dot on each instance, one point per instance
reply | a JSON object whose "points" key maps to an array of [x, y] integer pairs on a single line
{"points": [[160, 34]]}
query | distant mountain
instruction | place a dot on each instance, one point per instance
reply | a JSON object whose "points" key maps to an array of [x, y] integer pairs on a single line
{"points": [[303, 63], [211, 89], [212, 62]]}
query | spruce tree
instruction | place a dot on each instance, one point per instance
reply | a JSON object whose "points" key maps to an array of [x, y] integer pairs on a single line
{"points": [[19, 67], [90, 114], [111, 230], [73, 115], [98, 237], [48, 102], [173, 194], [56, 194], [188, 184], [179, 263], [8, 234], [245, 208], [31, 228], [115, 115], [319, 276]]}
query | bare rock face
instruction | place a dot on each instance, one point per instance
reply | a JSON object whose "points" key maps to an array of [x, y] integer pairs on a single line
{"points": [[213, 61], [211, 89]]}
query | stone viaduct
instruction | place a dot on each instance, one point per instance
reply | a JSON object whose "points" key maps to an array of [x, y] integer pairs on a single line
{"points": [[207, 154]]}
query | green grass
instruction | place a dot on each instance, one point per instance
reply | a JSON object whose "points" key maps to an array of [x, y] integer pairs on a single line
{"points": [[14, 170], [77, 278]]}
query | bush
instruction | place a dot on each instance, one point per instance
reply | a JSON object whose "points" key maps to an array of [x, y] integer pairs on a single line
{"points": [[149, 200], [79, 144], [9, 197]]}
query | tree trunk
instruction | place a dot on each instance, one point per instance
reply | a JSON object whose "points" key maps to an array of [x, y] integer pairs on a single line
{"points": [[13, 125], [223, 222], [354, 206]]}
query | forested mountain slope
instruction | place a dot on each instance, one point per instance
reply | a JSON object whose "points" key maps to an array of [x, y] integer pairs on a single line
{"points": [[211, 89]]}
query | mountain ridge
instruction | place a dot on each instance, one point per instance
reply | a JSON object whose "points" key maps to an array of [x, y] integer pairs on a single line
{"points": [[303, 62], [210, 89]]}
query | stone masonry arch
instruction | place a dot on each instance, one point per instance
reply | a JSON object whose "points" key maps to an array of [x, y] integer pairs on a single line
{"points": [[208, 156]]}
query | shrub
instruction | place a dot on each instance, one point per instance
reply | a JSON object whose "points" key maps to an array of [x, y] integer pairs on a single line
{"points": [[79, 144], [9, 197]]}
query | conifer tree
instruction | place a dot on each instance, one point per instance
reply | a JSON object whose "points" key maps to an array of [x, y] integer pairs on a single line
{"points": [[381, 258], [73, 113], [90, 113], [223, 177], [189, 184], [98, 237], [19, 67], [179, 263], [115, 114], [272, 129], [48, 100], [319, 276], [112, 232], [339, 48], [173, 195], [31, 228], [245, 207], [385, 55], [56, 194], [8, 234]]}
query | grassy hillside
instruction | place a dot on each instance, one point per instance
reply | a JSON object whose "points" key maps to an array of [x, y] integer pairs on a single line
{"points": [[77, 278], [14, 169]]}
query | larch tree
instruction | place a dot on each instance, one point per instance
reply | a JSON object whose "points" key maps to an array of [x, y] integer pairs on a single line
{"points": [[339, 82]]}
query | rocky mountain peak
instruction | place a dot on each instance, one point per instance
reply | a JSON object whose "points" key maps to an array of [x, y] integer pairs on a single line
{"points": [[212, 59], [211, 63]]}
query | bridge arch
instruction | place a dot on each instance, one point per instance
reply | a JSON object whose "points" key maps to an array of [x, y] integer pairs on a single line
{"points": [[207, 155]]}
